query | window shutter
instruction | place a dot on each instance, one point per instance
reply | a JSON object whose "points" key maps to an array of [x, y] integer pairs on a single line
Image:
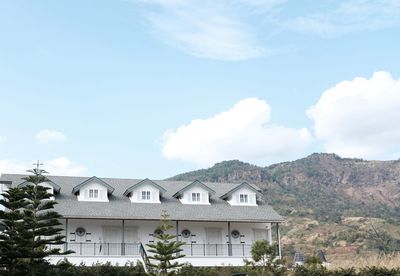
{"points": [[252, 199], [153, 196], [237, 198], [101, 194], [139, 194], [86, 193], [204, 197]]}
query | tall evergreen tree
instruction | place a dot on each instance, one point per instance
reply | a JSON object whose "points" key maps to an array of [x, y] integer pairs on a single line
{"points": [[166, 250], [12, 224], [41, 222]]}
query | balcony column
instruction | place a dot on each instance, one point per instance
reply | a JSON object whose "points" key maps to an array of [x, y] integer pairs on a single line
{"points": [[66, 235], [123, 238], [177, 234], [229, 239], [278, 236]]}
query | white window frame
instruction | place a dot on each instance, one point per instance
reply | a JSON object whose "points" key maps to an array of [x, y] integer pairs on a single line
{"points": [[146, 195], [93, 193], [195, 197], [243, 198]]}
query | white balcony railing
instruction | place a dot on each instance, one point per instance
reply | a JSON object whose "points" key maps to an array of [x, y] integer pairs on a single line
{"points": [[133, 249]]}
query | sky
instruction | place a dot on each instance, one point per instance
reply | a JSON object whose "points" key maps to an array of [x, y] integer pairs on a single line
{"points": [[153, 88]]}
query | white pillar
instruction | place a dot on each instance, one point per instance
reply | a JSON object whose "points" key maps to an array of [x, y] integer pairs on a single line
{"points": [[278, 236]]}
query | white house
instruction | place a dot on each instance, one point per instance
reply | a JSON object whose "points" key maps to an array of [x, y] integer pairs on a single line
{"points": [[108, 219]]}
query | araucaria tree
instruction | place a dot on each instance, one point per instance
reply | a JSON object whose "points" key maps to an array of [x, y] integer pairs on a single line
{"points": [[31, 226], [166, 250], [11, 240], [41, 221]]}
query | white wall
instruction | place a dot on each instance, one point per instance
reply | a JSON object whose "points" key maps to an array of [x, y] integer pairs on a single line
{"points": [[84, 192], [50, 190], [235, 200], [142, 231], [3, 188], [145, 230], [136, 195], [187, 196]]}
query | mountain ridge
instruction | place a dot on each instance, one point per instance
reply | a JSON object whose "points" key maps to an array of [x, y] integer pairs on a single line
{"points": [[328, 190]]}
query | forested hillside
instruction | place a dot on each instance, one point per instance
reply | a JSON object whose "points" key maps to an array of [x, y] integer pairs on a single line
{"points": [[340, 204]]}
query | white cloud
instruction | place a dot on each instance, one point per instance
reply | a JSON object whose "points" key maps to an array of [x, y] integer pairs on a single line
{"points": [[239, 133], [207, 29], [2, 139], [58, 166], [63, 166], [47, 135], [13, 166], [360, 118], [349, 16]]}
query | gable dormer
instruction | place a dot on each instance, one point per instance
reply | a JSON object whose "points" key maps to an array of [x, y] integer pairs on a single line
{"points": [[242, 195], [93, 189], [145, 191], [195, 193], [53, 188]]}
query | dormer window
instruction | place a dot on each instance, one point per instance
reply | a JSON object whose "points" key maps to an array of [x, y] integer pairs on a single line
{"points": [[145, 191], [146, 195], [52, 188], [93, 193], [244, 198], [196, 197], [243, 195], [93, 189], [194, 193]]}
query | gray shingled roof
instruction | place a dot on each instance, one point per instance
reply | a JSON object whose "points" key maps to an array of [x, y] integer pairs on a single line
{"points": [[120, 206]]}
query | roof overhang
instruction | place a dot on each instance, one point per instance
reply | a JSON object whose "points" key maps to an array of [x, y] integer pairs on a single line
{"points": [[243, 185], [56, 187], [93, 179], [143, 182], [194, 183]]}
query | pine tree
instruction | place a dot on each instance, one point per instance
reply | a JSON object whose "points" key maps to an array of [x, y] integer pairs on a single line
{"points": [[41, 222], [166, 250], [11, 250]]}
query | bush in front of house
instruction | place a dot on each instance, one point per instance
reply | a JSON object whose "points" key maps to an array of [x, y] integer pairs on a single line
{"points": [[65, 268]]}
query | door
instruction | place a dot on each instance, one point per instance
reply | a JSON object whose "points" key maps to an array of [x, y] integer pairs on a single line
{"points": [[214, 242], [260, 234], [131, 241], [112, 237]]}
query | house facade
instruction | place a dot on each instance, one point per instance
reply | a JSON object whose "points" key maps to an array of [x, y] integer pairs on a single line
{"points": [[112, 220]]}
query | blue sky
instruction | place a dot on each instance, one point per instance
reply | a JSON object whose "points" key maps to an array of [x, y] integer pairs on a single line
{"points": [[152, 88]]}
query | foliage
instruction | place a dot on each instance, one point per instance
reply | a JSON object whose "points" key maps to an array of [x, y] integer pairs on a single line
{"points": [[32, 227], [11, 249], [65, 268], [313, 262], [320, 187], [264, 258], [166, 250], [41, 221]]}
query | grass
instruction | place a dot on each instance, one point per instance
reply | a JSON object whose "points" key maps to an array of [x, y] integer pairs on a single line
{"points": [[388, 261]]}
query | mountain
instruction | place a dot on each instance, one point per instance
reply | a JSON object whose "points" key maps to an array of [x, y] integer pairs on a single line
{"points": [[339, 204]]}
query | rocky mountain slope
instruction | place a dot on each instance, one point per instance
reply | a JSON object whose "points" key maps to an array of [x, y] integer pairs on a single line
{"points": [[340, 204]]}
